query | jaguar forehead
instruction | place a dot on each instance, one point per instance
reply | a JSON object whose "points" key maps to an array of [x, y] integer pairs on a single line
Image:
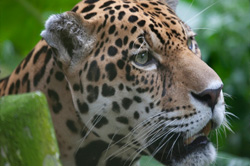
{"points": [[158, 20]]}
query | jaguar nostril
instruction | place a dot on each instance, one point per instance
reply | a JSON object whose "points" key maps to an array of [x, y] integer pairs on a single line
{"points": [[208, 96]]}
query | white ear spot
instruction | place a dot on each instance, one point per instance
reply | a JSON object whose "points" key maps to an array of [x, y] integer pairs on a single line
{"points": [[70, 37]]}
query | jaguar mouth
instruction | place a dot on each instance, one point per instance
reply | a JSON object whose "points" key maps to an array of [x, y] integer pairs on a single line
{"points": [[177, 147], [203, 133]]}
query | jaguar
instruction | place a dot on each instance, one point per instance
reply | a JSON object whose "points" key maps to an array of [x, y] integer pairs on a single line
{"points": [[124, 79]]}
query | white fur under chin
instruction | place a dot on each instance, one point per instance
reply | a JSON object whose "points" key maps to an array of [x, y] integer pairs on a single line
{"points": [[202, 157]]}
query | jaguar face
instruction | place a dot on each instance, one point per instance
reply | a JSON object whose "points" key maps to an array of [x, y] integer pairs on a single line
{"points": [[137, 79]]}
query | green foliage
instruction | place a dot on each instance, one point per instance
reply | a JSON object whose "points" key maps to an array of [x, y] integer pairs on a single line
{"points": [[21, 22], [223, 159], [26, 130], [223, 36], [149, 161]]}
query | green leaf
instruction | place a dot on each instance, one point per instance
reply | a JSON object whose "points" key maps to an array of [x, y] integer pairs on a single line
{"points": [[26, 130], [224, 159]]}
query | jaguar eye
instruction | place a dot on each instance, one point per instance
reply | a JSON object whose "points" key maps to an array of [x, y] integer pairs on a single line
{"points": [[145, 61], [190, 44], [141, 58]]}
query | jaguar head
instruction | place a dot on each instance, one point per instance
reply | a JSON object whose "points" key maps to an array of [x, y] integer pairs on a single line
{"points": [[137, 79]]}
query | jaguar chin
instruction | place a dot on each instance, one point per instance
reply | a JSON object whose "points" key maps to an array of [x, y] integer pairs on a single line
{"points": [[193, 151]]}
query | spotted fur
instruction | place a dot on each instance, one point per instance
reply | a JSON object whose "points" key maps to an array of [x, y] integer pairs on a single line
{"points": [[108, 108]]}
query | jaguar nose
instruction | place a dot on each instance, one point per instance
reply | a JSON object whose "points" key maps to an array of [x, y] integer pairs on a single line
{"points": [[208, 96]]}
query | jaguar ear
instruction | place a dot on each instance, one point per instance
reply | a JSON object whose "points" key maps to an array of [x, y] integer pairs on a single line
{"points": [[172, 3], [70, 37]]}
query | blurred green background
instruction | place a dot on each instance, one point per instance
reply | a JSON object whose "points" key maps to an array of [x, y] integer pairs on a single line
{"points": [[223, 35]]}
